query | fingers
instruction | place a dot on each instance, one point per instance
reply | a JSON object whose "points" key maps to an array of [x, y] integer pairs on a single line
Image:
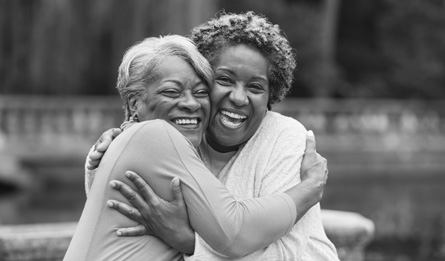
{"points": [[100, 147], [324, 164], [106, 138], [92, 164], [175, 187], [143, 187], [116, 132], [310, 142], [323, 168], [93, 160], [323, 160], [103, 145], [95, 155], [132, 196], [125, 210], [139, 230]]}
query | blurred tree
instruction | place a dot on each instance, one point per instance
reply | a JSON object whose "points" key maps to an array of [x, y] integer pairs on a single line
{"points": [[392, 49], [412, 40], [349, 48], [75, 47]]}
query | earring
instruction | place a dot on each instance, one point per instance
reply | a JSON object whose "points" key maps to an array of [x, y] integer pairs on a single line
{"points": [[134, 118]]}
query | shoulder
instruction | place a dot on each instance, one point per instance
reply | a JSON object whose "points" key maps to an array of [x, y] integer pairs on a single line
{"points": [[279, 124], [153, 131], [156, 136], [151, 125], [278, 133], [153, 128]]}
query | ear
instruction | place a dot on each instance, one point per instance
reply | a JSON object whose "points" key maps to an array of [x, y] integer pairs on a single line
{"points": [[132, 105]]}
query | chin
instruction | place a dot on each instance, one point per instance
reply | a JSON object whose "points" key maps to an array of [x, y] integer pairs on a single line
{"points": [[227, 141]]}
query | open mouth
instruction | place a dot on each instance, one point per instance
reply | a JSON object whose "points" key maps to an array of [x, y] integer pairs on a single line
{"points": [[232, 120], [192, 122]]}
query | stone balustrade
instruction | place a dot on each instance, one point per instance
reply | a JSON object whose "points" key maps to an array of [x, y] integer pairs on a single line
{"points": [[350, 232], [31, 116], [55, 125], [40, 126]]}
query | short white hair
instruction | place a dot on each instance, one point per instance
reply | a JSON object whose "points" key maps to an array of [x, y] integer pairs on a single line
{"points": [[140, 64]]}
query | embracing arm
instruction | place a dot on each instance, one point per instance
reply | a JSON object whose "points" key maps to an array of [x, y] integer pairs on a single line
{"points": [[229, 225], [169, 220], [176, 231]]}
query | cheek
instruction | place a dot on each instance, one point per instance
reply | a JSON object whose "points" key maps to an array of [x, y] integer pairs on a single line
{"points": [[217, 94], [148, 112], [205, 105], [260, 109]]}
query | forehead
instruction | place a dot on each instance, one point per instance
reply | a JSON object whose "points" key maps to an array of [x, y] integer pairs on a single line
{"points": [[172, 64], [242, 57], [174, 67], [173, 72]]}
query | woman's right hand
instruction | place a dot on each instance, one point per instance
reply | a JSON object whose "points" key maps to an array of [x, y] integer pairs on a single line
{"points": [[101, 145], [314, 168], [314, 174]]}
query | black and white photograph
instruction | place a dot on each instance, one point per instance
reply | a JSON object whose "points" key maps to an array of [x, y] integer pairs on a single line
{"points": [[195, 130]]}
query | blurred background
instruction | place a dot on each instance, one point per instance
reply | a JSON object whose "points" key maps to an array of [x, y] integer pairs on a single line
{"points": [[370, 83]]}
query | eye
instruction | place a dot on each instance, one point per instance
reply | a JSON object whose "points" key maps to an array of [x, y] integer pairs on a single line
{"points": [[203, 93], [224, 80], [256, 88], [172, 93]]}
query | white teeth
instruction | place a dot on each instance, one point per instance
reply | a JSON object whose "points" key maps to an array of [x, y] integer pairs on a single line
{"points": [[234, 115], [186, 121], [230, 124]]}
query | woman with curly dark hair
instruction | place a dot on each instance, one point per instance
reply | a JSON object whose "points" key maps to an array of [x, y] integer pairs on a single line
{"points": [[253, 151], [216, 35]]}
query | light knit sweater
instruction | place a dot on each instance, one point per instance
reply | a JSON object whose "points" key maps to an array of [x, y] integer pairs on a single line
{"points": [[269, 163]]}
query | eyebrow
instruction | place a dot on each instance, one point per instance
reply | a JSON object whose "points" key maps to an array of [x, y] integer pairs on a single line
{"points": [[178, 82], [172, 80], [232, 72]]}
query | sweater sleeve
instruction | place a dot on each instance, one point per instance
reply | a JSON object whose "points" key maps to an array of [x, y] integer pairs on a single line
{"points": [[232, 227]]}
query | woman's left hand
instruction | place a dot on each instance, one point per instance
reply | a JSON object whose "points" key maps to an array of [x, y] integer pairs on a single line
{"points": [[101, 145], [163, 219]]}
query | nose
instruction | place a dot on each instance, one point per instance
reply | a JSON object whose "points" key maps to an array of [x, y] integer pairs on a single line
{"points": [[238, 96], [189, 102]]}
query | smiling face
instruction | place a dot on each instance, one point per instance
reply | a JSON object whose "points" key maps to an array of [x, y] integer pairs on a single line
{"points": [[178, 96], [239, 96]]}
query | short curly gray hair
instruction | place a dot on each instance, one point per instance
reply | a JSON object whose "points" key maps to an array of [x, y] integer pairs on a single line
{"points": [[255, 30], [140, 64]]}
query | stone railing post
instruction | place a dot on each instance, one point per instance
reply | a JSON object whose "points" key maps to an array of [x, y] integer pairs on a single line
{"points": [[349, 231]]}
